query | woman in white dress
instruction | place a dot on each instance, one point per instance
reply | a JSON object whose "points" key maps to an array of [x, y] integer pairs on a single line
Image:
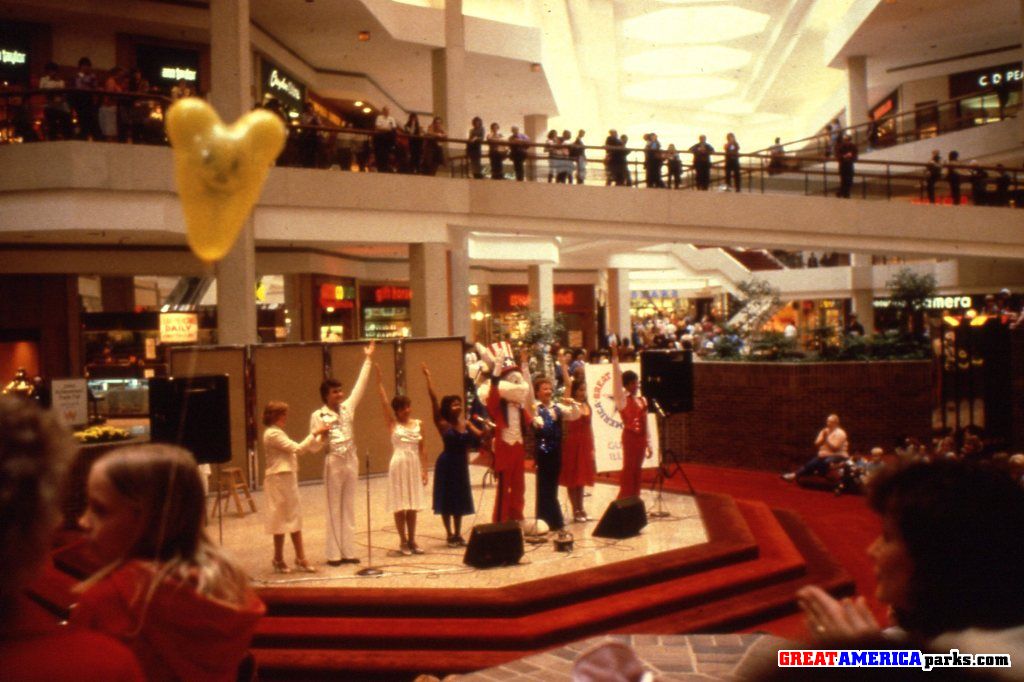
{"points": [[407, 474], [280, 480]]}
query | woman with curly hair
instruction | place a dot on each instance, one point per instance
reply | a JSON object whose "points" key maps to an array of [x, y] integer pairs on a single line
{"points": [[34, 451]]}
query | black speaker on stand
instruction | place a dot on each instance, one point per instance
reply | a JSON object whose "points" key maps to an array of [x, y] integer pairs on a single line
{"points": [[193, 412], [666, 379]]}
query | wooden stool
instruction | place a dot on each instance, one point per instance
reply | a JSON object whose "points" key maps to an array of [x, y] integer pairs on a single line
{"points": [[230, 482]]}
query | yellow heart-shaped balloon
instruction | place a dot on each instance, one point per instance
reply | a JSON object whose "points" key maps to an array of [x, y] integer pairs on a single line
{"points": [[220, 170]]}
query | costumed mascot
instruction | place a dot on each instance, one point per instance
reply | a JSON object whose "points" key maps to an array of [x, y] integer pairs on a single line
{"points": [[509, 402]]}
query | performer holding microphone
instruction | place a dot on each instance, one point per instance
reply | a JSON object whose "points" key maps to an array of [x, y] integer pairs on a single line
{"points": [[280, 480], [509, 403], [341, 467], [632, 407]]}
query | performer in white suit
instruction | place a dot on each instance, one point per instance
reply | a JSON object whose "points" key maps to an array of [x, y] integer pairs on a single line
{"points": [[341, 466]]}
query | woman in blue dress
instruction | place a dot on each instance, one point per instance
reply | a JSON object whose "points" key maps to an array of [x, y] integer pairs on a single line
{"points": [[453, 497]]}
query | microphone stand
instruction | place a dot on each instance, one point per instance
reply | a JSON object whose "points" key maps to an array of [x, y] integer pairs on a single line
{"points": [[370, 570], [658, 484]]}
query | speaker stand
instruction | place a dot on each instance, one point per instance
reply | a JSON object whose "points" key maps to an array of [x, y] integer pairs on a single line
{"points": [[667, 469], [370, 571]]}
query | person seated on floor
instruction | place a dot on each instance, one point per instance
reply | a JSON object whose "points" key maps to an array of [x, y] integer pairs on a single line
{"points": [[166, 591], [855, 472], [34, 452], [833, 448], [949, 562]]}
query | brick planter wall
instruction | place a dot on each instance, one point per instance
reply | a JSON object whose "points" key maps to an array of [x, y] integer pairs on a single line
{"points": [[766, 415]]}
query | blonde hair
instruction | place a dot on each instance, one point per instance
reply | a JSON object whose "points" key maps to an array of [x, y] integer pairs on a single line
{"points": [[162, 482], [273, 411]]}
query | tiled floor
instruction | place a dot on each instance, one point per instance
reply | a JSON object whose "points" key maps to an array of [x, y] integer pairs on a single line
{"points": [[442, 567], [669, 657]]}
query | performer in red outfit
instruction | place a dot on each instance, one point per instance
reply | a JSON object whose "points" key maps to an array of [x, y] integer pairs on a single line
{"points": [[578, 466], [508, 403], [632, 408]]}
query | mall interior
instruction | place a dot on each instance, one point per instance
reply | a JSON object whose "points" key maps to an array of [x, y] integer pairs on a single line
{"points": [[422, 239]]}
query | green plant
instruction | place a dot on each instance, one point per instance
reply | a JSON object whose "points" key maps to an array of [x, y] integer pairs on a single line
{"points": [[773, 346], [542, 331], [911, 290]]}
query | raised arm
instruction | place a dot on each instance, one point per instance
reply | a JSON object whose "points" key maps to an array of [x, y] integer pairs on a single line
{"points": [[524, 367], [435, 406], [389, 417], [364, 375], [618, 392], [563, 367]]}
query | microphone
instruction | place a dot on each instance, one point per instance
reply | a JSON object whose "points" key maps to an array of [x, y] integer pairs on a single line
{"points": [[657, 407]]}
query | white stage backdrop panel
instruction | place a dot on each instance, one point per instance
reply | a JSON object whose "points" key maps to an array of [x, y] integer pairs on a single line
{"points": [[607, 424]]}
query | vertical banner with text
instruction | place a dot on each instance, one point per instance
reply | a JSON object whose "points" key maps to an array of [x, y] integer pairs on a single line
{"points": [[607, 424]]}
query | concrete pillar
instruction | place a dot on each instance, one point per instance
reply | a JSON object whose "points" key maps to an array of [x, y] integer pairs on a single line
{"points": [[448, 72], [542, 290], [535, 127], [428, 278], [231, 95], [857, 90], [618, 303], [298, 302], [862, 291], [458, 259]]}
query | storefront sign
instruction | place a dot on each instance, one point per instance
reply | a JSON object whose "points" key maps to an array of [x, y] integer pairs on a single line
{"points": [[966, 82], [12, 57], [934, 303], [70, 401], [282, 85], [179, 327], [165, 66], [337, 296], [387, 294], [178, 73], [886, 107], [607, 425], [507, 298]]}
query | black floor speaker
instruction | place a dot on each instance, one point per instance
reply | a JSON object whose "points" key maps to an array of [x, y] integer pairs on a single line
{"points": [[494, 544], [623, 519], [192, 412]]}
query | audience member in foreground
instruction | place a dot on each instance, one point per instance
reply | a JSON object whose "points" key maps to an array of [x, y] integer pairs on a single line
{"points": [[34, 450], [167, 592], [949, 562]]}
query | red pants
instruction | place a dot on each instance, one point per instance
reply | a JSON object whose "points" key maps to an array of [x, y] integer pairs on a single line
{"points": [[508, 467], [634, 449]]}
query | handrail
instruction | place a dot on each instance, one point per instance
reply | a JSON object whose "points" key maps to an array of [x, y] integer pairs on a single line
{"points": [[899, 117]]}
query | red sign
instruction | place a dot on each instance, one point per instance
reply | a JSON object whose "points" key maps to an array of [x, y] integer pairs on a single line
{"points": [[337, 296], [391, 294], [563, 299], [506, 298]]}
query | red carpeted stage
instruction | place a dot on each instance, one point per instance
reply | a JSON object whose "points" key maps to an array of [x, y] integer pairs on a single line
{"points": [[762, 542]]}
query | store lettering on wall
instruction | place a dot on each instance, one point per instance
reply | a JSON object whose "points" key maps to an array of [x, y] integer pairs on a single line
{"points": [[563, 299], [988, 80], [390, 293], [12, 57], [179, 327], [176, 73], [279, 82]]}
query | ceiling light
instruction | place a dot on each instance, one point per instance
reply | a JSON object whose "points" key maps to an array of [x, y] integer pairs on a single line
{"points": [[681, 88], [702, 24], [367, 110], [364, 36], [358, 103], [685, 61]]}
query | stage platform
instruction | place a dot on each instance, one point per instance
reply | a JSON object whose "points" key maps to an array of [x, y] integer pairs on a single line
{"points": [[442, 567]]}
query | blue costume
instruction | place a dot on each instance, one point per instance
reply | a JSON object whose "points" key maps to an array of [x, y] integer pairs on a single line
{"points": [[452, 492], [548, 457]]}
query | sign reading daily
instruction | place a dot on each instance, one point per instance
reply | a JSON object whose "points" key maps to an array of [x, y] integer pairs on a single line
{"points": [[282, 85], [179, 327]]}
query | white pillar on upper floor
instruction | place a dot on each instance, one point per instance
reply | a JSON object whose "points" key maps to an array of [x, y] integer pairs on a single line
{"points": [[535, 127], [449, 73], [428, 279], [231, 96], [542, 290], [618, 303], [857, 90], [862, 290], [459, 263]]}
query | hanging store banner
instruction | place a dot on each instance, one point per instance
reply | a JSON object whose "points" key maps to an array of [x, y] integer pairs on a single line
{"points": [[606, 422]]}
